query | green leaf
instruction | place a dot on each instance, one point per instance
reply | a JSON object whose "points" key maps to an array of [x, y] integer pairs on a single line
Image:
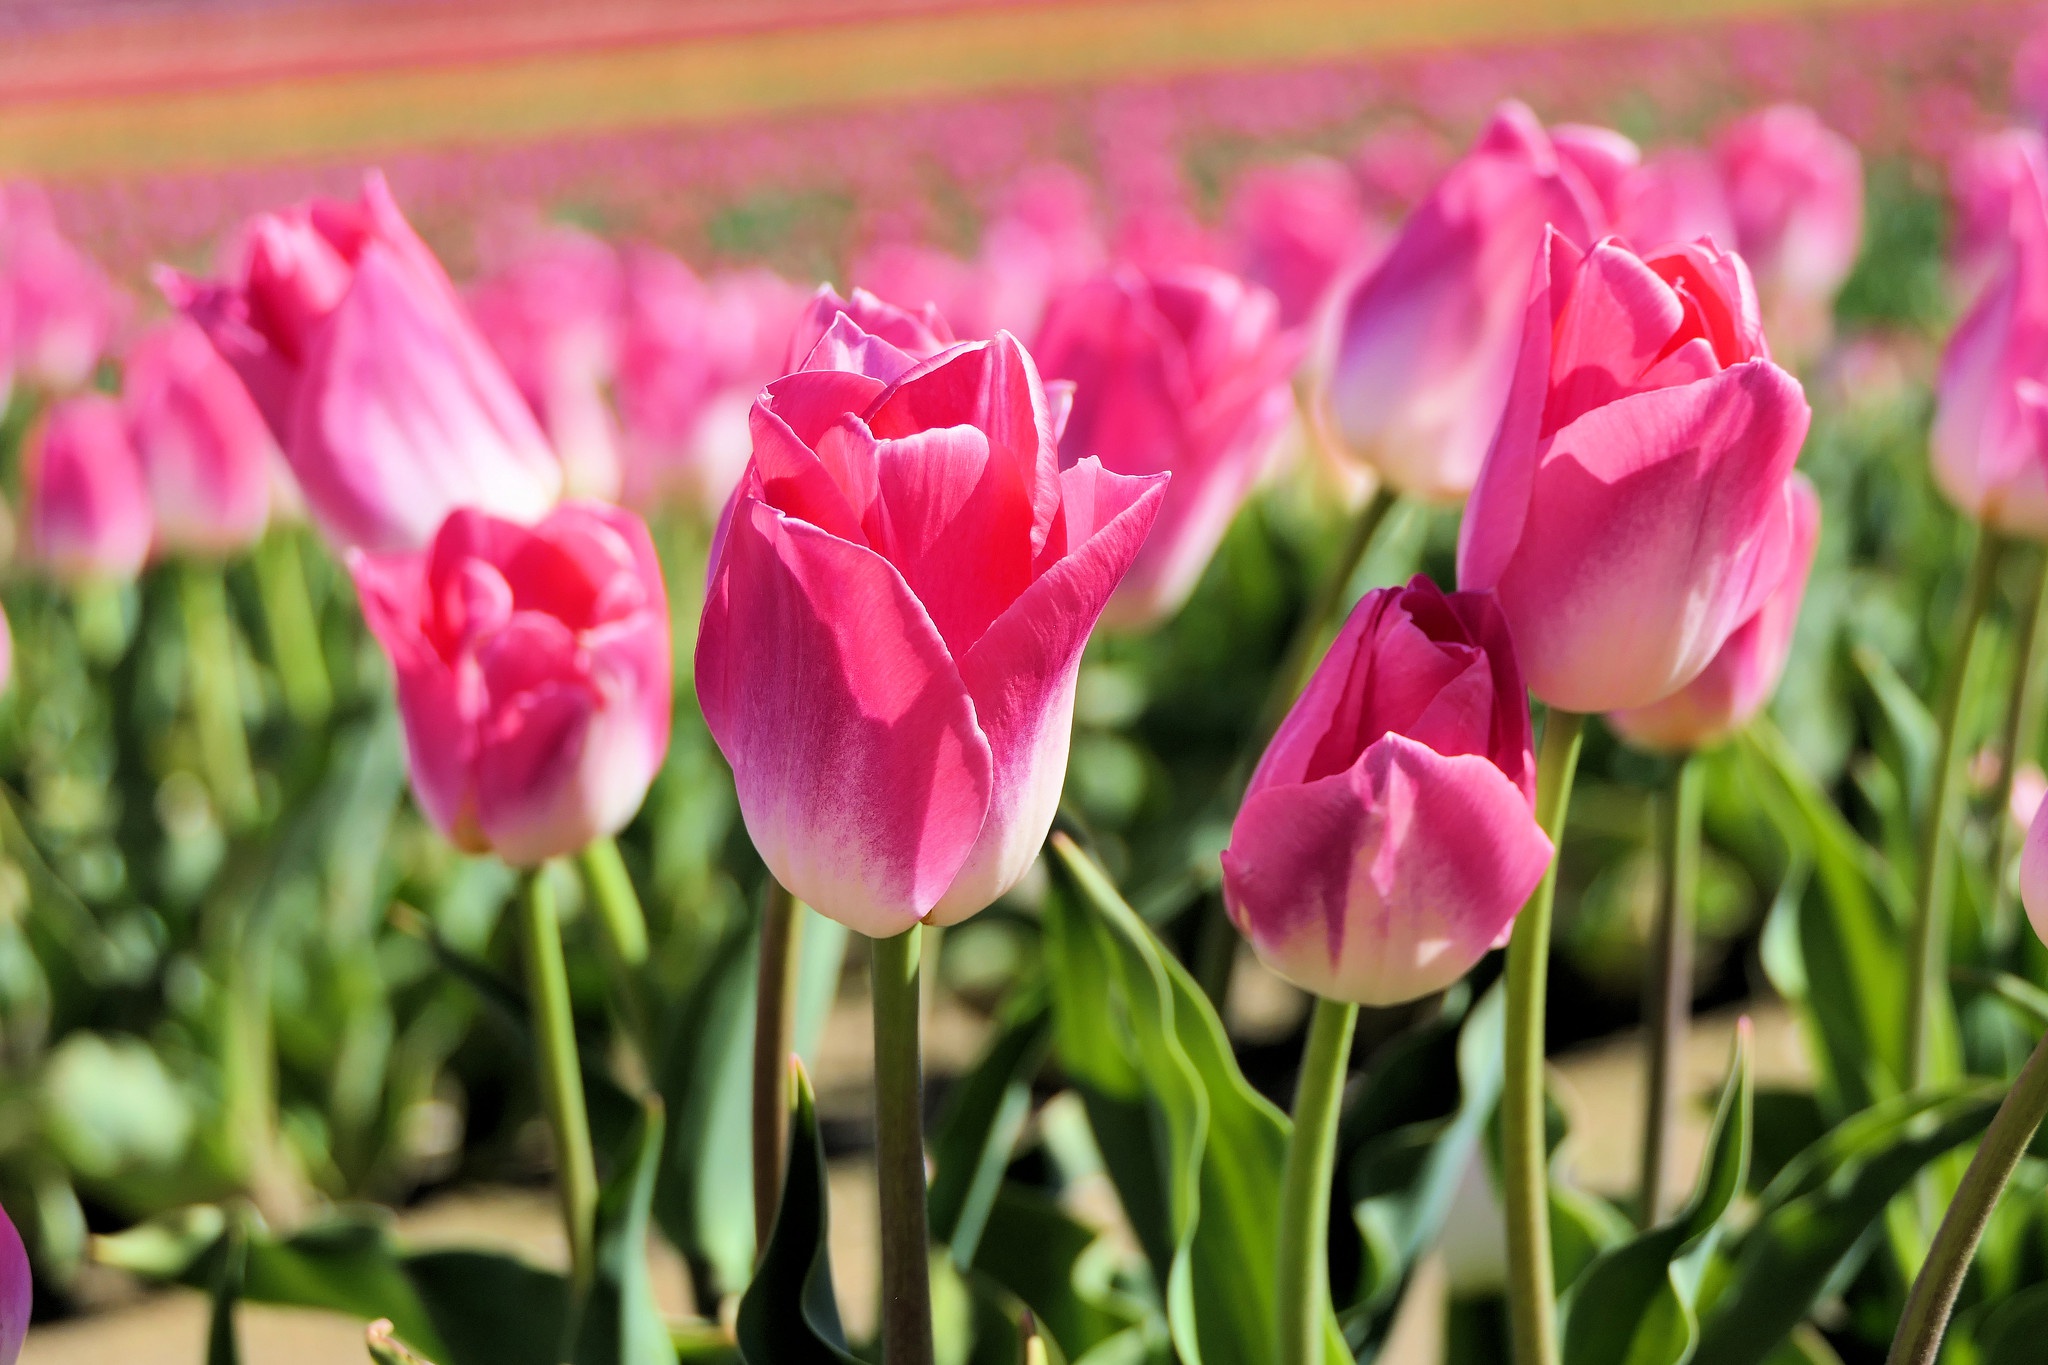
{"points": [[385, 1350], [1037, 1251], [2012, 1332], [620, 1323], [789, 1316], [491, 1309], [973, 1142], [1910, 728], [1635, 1304], [222, 1347]]}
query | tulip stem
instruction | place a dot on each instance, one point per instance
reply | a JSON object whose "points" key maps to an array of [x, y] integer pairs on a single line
{"points": [[1304, 1282], [216, 696], [294, 628], [1532, 1290], [561, 1073], [2018, 743], [1668, 1006], [899, 1151], [1941, 1275], [774, 1040], [618, 905], [1928, 963]]}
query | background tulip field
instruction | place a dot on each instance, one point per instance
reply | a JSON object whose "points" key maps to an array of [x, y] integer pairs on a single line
{"points": [[272, 876]]}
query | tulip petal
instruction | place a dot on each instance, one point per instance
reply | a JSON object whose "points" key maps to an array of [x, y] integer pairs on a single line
{"points": [[1614, 328]]}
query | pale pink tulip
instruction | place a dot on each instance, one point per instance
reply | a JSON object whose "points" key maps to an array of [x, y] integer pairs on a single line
{"points": [[1989, 179], [1795, 192], [88, 512], [1674, 196], [1300, 228], [64, 310], [206, 452], [2034, 872]]}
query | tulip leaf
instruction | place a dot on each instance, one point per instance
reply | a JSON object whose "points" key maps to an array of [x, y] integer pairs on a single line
{"points": [[2012, 1332], [491, 1309], [620, 1324], [974, 1140], [229, 1264], [789, 1315], [1037, 1251], [1635, 1304]]}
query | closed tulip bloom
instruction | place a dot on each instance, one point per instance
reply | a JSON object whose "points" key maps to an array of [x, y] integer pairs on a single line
{"points": [[533, 674], [2034, 872], [1989, 180], [390, 406], [65, 311], [1742, 677], [893, 623], [206, 452], [1299, 229], [1674, 196], [1427, 341], [1637, 504], [1184, 372], [88, 512], [17, 1291], [1389, 835], [1795, 192]]}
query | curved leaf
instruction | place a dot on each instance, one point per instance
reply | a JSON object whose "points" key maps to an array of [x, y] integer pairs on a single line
{"points": [[974, 1140], [789, 1316], [620, 1324]]}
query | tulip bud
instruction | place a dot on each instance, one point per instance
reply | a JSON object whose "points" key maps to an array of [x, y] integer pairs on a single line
{"points": [[17, 1291], [1389, 836], [1636, 506], [2034, 872], [1795, 192], [1674, 196], [204, 449], [390, 407], [533, 674], [88, 513], [1298, 229], [893, 622], [1987, 179], [64, 310]]}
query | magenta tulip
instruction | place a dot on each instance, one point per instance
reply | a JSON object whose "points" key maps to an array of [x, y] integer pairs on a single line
{"points": [[1299, 229], [1427, 340], [533, 674], [64, 310], [17, 1291], [206, 452], [1795, 192], [88, 512], [1637, 505], [920, 335], [1742, 677], [1186, 372], [391, 408], [1389, 835], [893, 623]]}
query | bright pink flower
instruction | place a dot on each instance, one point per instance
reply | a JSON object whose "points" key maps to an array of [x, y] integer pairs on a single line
{"points": [[1604, 159], [391, 408], [1299, 228], [1795, 191], [65, 311], [893, 623], [2034, 872], [1637, 504], [17, 1291], [1428, 339], [1989, 179], [1389, 835], [1183, 372], [1674, 196], [206, 452], [88, 512], [533, 674], [1742, 677]]}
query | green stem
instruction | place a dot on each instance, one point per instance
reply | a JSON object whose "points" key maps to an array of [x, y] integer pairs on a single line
{"points": [[1941, 1275], [618, 905], [561, 1073], [1928, 963], [899, 1152], [1532, 1290], [2018, 743], [293, 627], [1304, 1283], [774, 1041], [100, 615], [216, 697], [1668, 1007]]}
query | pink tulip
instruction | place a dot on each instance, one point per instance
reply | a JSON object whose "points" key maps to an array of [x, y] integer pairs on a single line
{"points": [[553, 315], [17, 1291], [1298, 229], [88, 512], [1674, 196], [1389, 835], [205, 451], [2029, 791], [1636, 506], [1990, 178], [919, 335], [2034, 872], [1185, 372], [533, 674], [1742, 677], [65, 311], [1605, 160], [893, 623], [1795, 191], [1427, 341], [390, 406]]}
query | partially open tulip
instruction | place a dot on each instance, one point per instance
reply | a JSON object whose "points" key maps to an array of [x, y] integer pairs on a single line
{"points": [[17, 1291], [1637, 505], [1184, 371], [1795, 192], [1298, 229], [391, 408], [533, 674], [893, 623], [1742, 677], [88, 512], [1674, 196], [1427, 340], [1389, 835], [65, 311], [919, 334], [206, 452]]}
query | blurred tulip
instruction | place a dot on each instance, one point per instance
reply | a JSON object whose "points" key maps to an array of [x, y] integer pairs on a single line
{"points": [[1299, 228], [1389, 835], [1742, 677], [893, 624], [1674, 196], [2034, 872], [64, 310], [1183, 372], [391, 408], [533, 674], [1795, 192], [17, 1291], [88, 512], [1636, 507], [1427, 341], [1989, 179], [2029, 790], [1604, 159], [205, 452]]}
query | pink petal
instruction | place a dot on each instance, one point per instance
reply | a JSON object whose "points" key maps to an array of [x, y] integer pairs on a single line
{"points": [[1614, 327]]}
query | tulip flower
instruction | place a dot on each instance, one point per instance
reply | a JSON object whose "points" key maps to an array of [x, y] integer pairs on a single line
{"points": [[1298, 229], [64, 310], [1389, 836], [1636, 506], [1674, 196], [1989, 178], [205, 451], [390, 407], [17, 1291], [1795, 192], [1742, 677], [1183, 371], [894, 617], [1427, 340], [88, 512], [533, 674], [919, 335]]}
